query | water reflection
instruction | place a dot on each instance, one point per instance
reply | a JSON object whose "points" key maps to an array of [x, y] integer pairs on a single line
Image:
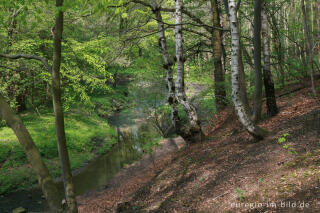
{"points": [[130, 147]]}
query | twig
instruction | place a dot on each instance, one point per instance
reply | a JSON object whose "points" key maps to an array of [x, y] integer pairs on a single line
{"points": [[220, 195]]}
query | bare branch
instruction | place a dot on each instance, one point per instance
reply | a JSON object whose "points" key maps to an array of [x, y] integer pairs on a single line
{"points": [[197, 32]]}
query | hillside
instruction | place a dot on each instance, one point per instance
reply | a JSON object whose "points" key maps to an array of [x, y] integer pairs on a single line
{"points": [[229, 171]]}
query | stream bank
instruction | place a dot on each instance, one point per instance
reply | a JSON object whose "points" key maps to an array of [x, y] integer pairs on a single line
{"points": [[135, 135], [131, 178]]}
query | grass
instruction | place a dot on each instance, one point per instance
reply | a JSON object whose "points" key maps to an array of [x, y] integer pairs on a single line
{"points": [[86, 134]]}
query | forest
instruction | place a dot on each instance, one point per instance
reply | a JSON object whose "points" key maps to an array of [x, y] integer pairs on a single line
{"points": [[159, 106]]}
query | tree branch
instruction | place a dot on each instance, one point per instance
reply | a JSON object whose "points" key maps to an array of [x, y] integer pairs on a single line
{"points": [[29, 57]]}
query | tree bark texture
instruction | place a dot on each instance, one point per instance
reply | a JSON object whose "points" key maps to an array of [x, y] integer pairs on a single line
{"points": [[167, 64]]}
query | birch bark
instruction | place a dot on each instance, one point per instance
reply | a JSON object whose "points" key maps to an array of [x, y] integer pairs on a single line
{"points": [[194, 131], [238, 101], [168, 63]]}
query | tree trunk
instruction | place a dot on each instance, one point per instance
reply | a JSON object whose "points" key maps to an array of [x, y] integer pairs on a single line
{"points": [[167, 64], [238, 101], [309, 46], [243, 87], [257, 62], [45, 180], [272, 108], [216, 41], [194, 130], [58, 111]]}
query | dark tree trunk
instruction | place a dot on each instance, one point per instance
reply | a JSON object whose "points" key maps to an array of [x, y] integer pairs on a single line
{"points": [[257, 62], [59, 116], [21, 102], [271, 102], [219, 78]]}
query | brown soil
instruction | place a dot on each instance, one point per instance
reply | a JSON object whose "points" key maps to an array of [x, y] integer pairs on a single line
{"points": [[229, 172]]}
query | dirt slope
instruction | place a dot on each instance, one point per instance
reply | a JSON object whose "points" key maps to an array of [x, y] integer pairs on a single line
{"points": [[230, 173]]}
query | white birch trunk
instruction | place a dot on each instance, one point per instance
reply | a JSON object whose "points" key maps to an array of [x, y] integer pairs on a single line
{"points": [[241, 111], [194, 122], [172, 99]]}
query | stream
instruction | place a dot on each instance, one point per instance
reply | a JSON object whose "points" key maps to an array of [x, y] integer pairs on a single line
{"points": [[133, 133]]}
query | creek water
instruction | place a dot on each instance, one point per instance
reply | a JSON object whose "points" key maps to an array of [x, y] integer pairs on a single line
{"points": [[134, 132]]}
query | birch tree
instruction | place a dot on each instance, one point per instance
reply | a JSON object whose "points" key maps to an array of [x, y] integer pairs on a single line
{"points": [[167, 64], [238, 100], [194, 131]]}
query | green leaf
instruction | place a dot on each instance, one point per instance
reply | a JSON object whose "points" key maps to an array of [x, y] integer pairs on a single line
{"points": [[124, 15], [281, 140]]}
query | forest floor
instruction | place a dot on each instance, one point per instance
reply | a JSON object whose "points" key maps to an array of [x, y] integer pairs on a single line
{"points": [[229, 172]]}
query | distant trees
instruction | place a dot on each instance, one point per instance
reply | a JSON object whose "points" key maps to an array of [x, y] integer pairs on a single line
{"points": [[271, 37], [309, 47]]}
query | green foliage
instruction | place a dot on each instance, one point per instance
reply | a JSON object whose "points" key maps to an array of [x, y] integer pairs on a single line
{"points": [[288, 147], [240, 193], [283, 138]]}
